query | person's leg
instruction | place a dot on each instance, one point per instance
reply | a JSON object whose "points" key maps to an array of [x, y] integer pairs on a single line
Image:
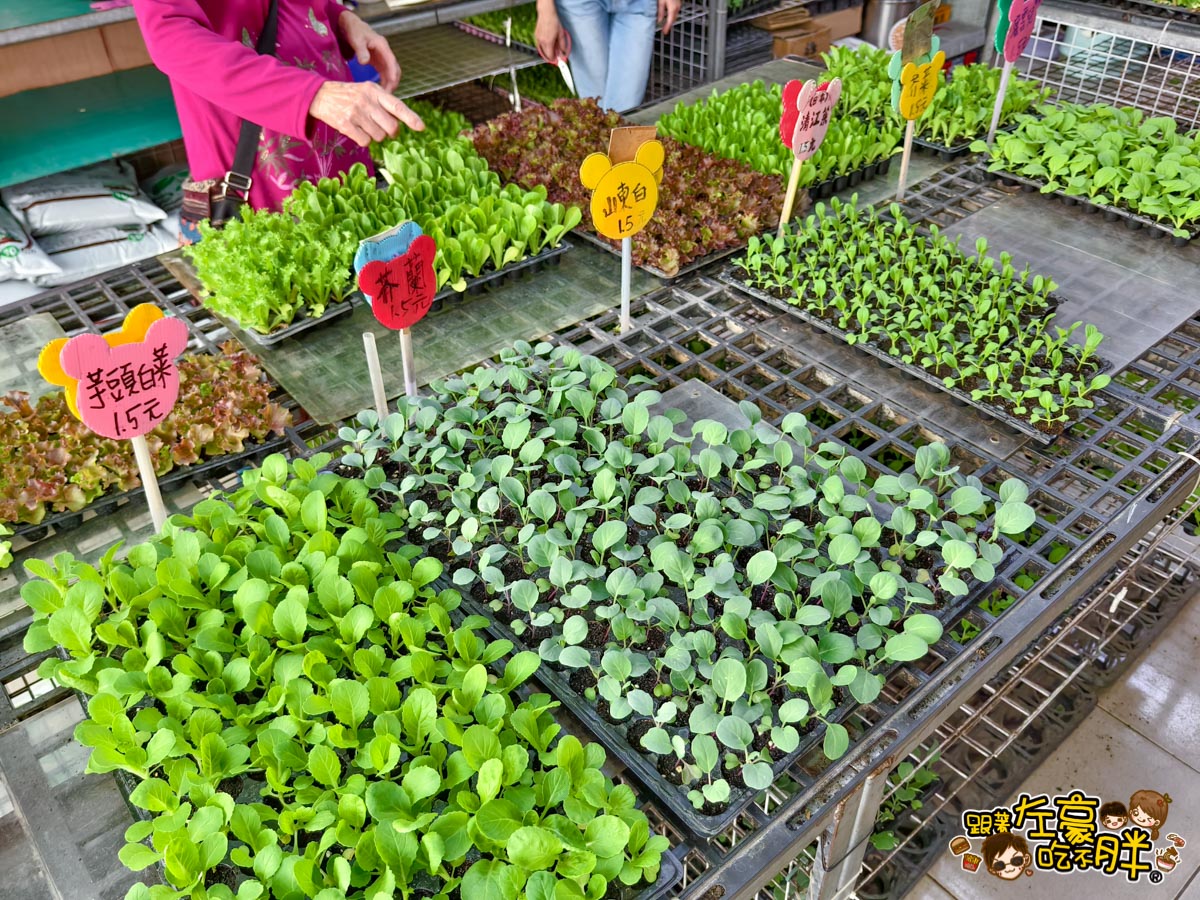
{"points": [[631, 45], [587, 23]]}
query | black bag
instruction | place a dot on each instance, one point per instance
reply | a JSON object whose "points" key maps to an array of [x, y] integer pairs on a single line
{"points": [[220, 199]]}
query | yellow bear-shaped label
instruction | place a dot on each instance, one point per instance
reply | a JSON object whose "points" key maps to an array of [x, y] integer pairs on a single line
{"points": [[918, 84], [624, 196]]}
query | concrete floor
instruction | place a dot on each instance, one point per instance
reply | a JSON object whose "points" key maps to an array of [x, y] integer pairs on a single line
{"points": [[1145, 734]]}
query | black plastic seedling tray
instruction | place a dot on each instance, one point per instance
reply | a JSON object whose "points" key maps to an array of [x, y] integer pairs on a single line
{"points": [[954, 151], [670, 871], [1133, 221], [333, 312], [823, 190], [551, 256], [694, 266], [704, 827], [1156, 10], [1043, 438], [217, 466], [477, 285]]}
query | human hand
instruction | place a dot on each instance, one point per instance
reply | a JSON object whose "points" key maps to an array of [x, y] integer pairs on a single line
{"points": [[550, 36], [668, 12], [371, 47], [363, 112]]}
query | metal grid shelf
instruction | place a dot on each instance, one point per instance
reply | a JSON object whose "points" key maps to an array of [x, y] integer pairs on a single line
{"points": [[991, 743], [444, 56]]}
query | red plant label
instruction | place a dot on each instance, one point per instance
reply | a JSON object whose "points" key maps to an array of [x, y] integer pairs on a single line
{"points": [[401, 290], [806, 112], [124, 391], [1022, 16]]}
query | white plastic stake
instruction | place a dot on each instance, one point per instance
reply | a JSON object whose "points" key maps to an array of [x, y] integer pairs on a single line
{"points": [[790, 199], [141, 451], [626, 279], [1004, 73], [908, 138], [376, 370], [406, 358]]}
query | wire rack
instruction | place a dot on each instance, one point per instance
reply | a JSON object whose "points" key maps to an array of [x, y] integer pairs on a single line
{"points": [[682, 59], [1087, 58]]}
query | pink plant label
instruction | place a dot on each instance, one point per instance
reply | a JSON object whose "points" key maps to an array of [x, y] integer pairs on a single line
{"points": [[124, 391], [401, 290], [1022, 16], [806, 112]]}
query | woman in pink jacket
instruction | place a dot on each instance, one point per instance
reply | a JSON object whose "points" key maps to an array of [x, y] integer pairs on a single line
{"points": [[315, 120]]}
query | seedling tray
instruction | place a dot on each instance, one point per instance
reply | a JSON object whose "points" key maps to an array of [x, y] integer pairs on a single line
{"points": [[954, 151], [333, 312], [551, 256], [704, 827], [1133, 221], [217, 466], [825, 189], [670, 871], [1043, 438], [694, 266], [1157, 10]]}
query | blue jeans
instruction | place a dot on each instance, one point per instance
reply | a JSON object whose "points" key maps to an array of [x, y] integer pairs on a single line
{"points": [[611, 45]]}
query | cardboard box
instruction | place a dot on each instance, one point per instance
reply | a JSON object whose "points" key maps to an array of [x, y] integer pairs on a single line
{"points": [[810, 41], [126, 49], [53, 60], [71, 57], [783, 20], [843, 23]]}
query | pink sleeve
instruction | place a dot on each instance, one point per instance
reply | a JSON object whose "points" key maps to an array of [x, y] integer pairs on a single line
{"points": [[224, 71], [334, 10]]}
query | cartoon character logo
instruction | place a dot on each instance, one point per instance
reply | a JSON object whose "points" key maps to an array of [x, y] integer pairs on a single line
{"points": [[625, 195], [1148, 809], [1113, 815], [806, 112], [1006, 855]]}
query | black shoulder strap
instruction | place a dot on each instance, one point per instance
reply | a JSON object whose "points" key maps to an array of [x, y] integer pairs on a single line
{"points": [[243, 158]]}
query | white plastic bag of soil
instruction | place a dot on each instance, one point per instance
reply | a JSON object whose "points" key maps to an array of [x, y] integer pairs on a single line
{"points": [[165, 187], [82, 254], [20, 256], [100, 196]]}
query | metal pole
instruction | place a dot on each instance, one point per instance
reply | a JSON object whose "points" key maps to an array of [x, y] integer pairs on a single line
{"points": [[626, 280], [843, 844]]}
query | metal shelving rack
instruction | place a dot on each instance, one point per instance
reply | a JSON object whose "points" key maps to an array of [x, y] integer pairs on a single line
{"points": [[445, 56], [1097, 53]]}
